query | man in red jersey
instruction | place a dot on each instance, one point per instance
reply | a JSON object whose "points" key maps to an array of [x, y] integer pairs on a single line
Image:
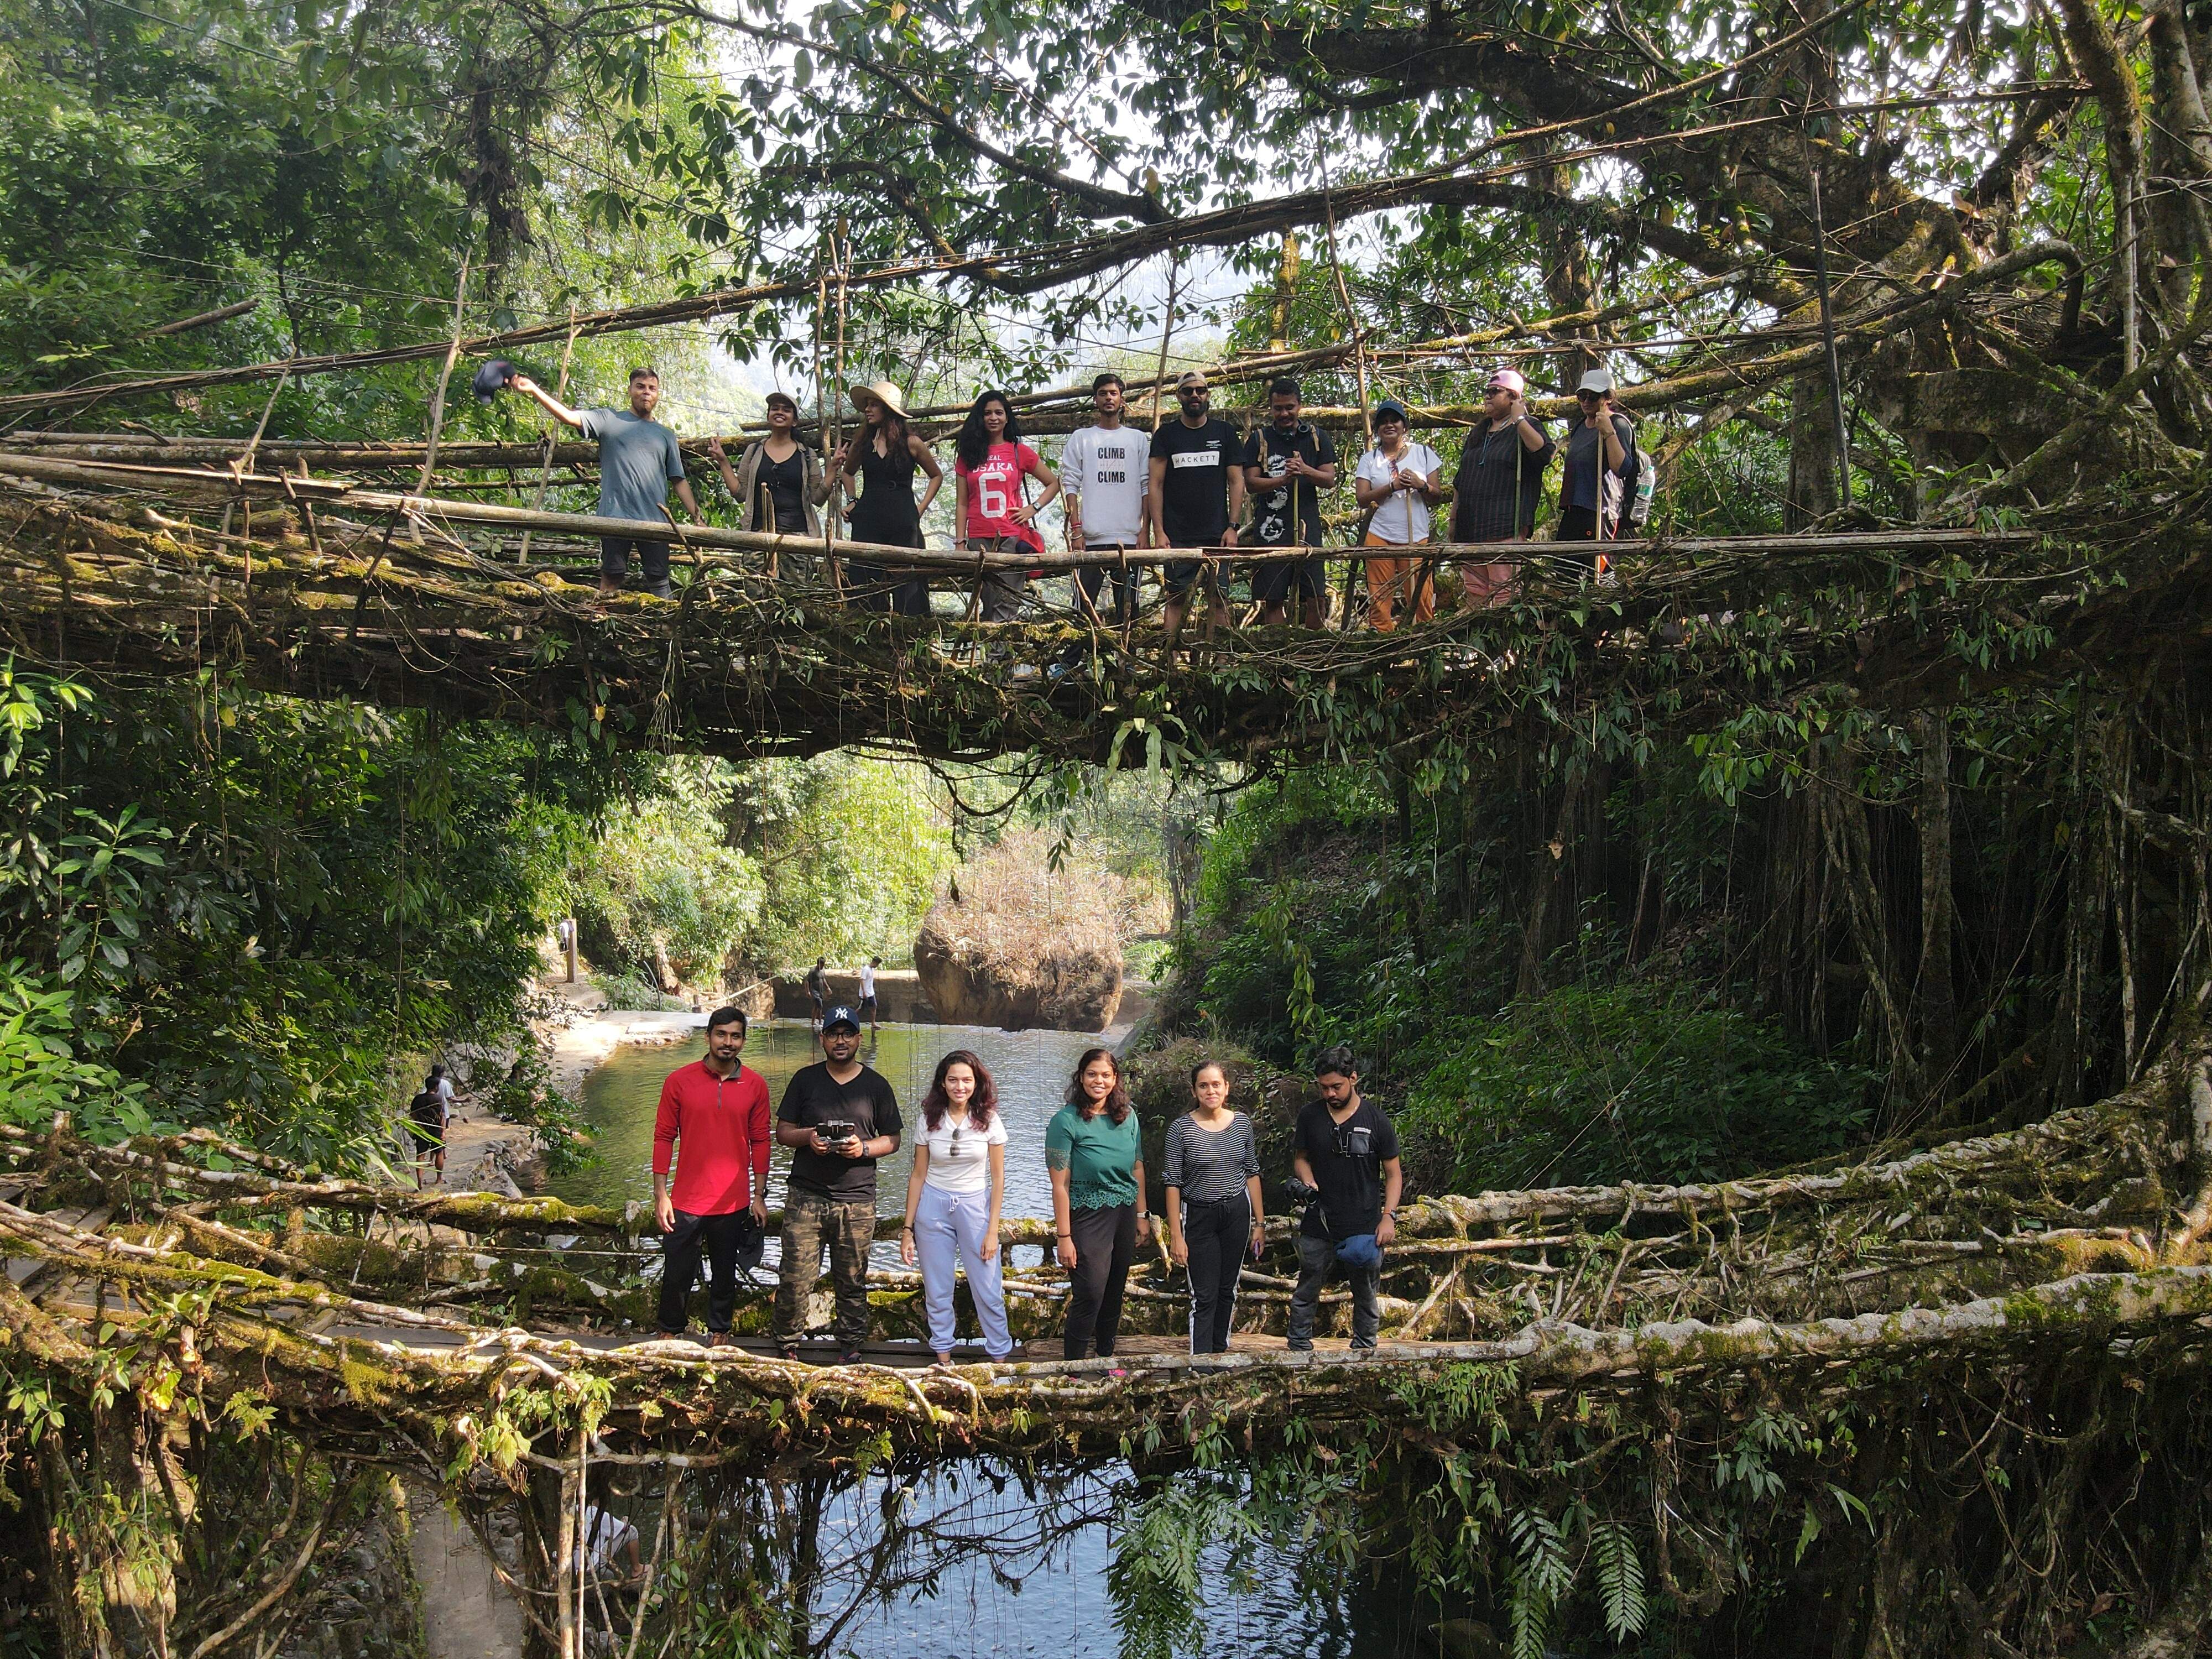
{"points": [[718, 1110]]}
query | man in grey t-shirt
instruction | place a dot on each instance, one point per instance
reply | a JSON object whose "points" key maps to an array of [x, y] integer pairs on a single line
{"points": [[639, 459]]}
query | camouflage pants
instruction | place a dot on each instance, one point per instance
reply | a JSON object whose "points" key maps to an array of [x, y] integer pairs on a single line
{"points": [[809, 1222]]}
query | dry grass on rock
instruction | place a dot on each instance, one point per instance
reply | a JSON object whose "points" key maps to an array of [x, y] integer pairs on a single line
{"points": [[1016, 944]]}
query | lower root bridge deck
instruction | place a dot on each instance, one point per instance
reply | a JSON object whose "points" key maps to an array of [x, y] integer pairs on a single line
{"points": [[370, 1310]]}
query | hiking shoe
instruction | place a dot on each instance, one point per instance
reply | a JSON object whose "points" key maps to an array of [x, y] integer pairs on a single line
{"points": [[848, 1356]]}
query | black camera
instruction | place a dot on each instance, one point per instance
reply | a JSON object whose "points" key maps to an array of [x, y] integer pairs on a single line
{"points": [[1300, 1193]]}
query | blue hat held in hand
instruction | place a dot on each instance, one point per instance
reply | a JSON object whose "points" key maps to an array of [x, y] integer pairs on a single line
{"points": [[492, 378], [1361, 1250]]}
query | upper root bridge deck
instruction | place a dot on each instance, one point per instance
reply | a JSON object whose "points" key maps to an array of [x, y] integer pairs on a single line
{"points": [[325, 589]]}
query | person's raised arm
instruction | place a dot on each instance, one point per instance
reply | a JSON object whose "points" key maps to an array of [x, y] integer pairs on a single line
{"points": [[914, 1183], [546, 401], [1432, 484], [1532, 435], [926, 459], [720, 457]]}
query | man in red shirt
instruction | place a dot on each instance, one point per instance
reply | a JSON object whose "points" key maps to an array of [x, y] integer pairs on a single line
{"points": [[718, 1110]]}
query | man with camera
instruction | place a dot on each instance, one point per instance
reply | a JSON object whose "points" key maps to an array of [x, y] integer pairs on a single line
{"points": [[1347, 1177], [838, 1117]]}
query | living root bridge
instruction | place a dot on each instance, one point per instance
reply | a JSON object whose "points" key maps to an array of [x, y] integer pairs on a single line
{"points": [[1684, 1364], [314, 604]]}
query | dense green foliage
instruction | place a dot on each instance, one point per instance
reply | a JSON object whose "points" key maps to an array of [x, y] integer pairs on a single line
{"points": [[1318, 923], [253, 907]]}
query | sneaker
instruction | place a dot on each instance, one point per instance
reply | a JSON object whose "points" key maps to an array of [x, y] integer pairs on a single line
{"points": [[942, 1362], [720, 1339], [848, 1356], [788, 1350]]}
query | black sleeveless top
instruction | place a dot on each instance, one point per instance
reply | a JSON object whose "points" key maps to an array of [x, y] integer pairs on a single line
{"points": [[886, 512]]}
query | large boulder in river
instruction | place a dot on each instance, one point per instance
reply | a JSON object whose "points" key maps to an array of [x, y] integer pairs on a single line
{"points": [[1015, 943]]}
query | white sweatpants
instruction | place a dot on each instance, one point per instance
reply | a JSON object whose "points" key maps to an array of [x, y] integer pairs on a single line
{"points": [[950, 1225]]}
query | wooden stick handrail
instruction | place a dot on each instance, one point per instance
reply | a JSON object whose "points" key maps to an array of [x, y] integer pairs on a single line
{"points": [[221, 486]]}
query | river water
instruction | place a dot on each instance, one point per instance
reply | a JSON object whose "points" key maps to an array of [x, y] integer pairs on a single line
{"points": [[1055, 1604]]}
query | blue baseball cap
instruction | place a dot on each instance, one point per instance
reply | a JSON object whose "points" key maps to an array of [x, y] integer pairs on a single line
{"points": [[1390, 406], [841, 1015], [1361, 1250]]}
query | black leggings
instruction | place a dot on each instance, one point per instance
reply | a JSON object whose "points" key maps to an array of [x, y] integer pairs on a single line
{"points": [[1216, 1234], [1105, 1244]]}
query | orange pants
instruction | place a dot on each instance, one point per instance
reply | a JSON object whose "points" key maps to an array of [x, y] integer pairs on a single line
{"points": [[1391, 580]]}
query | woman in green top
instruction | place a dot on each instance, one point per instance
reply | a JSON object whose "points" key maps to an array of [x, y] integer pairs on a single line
{"points": [[1097, 1165]]}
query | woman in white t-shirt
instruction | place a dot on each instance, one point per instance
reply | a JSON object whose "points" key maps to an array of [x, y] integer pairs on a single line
{"points": [[1397, 482], [952, 1202]]}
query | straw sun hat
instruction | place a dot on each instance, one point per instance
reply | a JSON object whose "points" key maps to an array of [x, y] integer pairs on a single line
{"points": [[883, 393]]}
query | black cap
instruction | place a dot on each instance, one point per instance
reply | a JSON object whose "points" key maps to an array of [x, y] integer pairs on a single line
{"points": [[492, 378], [841, 1015], [1390, 406]]}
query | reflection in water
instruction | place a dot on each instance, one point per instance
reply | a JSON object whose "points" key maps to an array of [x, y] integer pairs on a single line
{"points": [[987, 1559]]}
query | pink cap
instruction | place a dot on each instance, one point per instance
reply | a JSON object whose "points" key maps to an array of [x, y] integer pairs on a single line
{"points": [[1508, 379]]}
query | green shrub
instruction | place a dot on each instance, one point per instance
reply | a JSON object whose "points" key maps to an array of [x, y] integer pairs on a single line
{"points": [[626, 994], [526, 1096], [1647, 1082]]}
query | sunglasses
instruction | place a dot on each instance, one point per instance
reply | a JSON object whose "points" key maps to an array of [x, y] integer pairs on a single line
{"points": [[1588, 397]]}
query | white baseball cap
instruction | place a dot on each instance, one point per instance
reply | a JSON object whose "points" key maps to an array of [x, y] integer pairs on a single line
{"points": [[1596, 380]]}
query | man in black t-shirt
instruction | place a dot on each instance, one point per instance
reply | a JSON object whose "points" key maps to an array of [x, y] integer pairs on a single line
{"points": [[1288, 466], [838, 1117], [1347, 1149], [1196, 491]]}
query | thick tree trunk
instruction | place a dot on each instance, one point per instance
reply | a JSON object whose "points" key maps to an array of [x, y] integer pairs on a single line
{"points": [[1814, 492]]}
